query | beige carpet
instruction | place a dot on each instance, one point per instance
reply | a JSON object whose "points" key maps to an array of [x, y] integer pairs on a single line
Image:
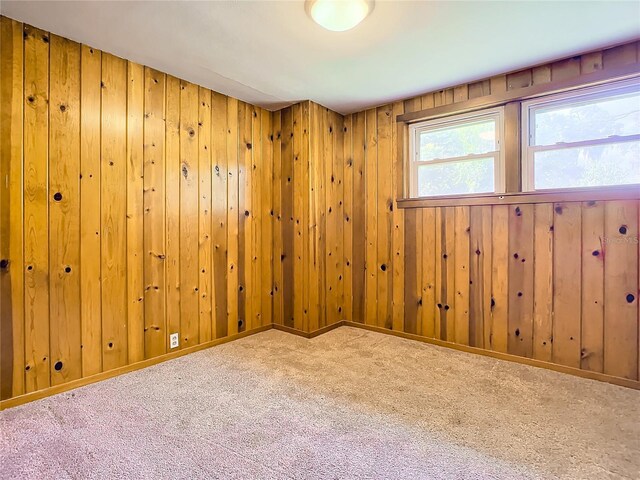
{"points": [[349, 404]]}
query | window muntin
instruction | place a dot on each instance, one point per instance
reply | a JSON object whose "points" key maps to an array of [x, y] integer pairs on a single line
{"points": [[582, 139], [457, 155]]}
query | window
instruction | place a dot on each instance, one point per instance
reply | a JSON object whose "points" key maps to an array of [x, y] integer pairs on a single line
{"points": [[457, 155], [584, 138]]}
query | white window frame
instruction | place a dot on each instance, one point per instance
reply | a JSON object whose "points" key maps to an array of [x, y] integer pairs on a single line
{"points": [[573, 97], [428, 125]]}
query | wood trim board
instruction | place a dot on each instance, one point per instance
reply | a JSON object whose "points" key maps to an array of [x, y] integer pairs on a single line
{"points": [[81, 382], [587, 80], [625, 192], [601, 377], [40, 394]]}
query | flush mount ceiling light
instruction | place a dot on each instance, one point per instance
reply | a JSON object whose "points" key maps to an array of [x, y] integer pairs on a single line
{"points": [[338, 15]]}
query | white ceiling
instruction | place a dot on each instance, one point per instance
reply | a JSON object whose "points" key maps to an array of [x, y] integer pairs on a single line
{"points": [[271, 54]]}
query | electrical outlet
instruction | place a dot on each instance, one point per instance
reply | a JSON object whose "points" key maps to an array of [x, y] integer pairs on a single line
{"points": [[174, 340]]}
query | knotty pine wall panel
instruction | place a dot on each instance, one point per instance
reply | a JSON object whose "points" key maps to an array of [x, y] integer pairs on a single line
{"points": [[558, 293], [196, 213], [134, 205], [312, 222], [543, 281]]}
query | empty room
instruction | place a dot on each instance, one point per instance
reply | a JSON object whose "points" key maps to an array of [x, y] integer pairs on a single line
{"points": [[319, 239]]}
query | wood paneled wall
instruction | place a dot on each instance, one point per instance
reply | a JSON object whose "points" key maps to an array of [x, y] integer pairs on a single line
{"points": [[134, 205], [554, 282], [311, 217]]}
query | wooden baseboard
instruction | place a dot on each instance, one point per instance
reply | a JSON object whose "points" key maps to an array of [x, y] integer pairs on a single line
{"points": [[46, 392], [315, 333], [29, 397], [602, 377]]}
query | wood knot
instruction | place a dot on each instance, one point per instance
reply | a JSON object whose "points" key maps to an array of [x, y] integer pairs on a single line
{"points": [[63, 108], [518, 212], [67, 269], [630, 298], [57, 196], [558, 210], [623, 230], [383, 267], [58, 366]]}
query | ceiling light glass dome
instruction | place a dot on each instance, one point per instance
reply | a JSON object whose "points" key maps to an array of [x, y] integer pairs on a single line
{"points": [[338, 15]]}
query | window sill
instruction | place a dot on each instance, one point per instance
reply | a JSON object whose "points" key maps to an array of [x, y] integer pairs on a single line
{"points": [[623, 192]]}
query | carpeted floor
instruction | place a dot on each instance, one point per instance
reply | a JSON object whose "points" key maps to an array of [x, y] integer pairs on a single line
{"points": [[349, 404]]}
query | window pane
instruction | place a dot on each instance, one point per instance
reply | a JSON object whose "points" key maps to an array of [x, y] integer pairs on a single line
{"points": [[613, 164], [459, 140], [599, 118], [455, 178]]}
